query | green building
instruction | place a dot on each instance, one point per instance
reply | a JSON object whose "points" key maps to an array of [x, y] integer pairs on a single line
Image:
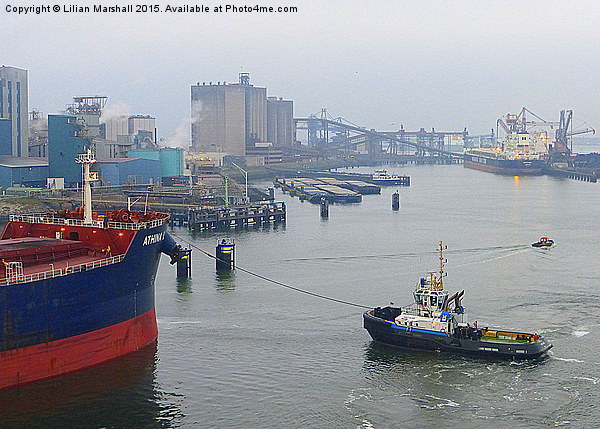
{"points": [[171, 159]]}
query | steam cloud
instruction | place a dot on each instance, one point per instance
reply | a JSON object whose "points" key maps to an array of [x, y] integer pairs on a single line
{"points": [[181, 136], [115, 111]]}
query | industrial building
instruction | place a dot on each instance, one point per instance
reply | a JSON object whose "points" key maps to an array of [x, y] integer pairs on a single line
{"points": [[5, 136], [68, 136], [218, 119], [23, 171], [115, 129], [236, 118], [106, 149], [14, 108], [88, 109], [280, 122], [139, 130], [128, 171], [38, 134]]}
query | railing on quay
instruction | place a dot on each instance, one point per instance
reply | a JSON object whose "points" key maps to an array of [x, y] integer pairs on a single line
{"points": [[26, 278], [42, 218], [210, 218]]}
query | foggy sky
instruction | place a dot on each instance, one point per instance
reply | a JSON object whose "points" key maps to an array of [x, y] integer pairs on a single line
{"points": [[379, 64]]}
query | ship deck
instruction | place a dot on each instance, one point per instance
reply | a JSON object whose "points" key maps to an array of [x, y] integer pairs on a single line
{"points": [[28, 256]]}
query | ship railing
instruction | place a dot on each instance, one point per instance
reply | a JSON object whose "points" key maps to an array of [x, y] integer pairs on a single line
{"points": [[411, 310], [57, 272], [415, 310], [34, 218]]}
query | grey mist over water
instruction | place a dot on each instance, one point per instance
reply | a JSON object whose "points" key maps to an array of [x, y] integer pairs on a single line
{"points": [[239, 352]]}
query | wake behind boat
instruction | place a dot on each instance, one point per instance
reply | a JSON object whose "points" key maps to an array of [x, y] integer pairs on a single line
{"points": [[436, 322]]}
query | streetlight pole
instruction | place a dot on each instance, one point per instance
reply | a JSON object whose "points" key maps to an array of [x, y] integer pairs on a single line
{"points": [[245, 176]]}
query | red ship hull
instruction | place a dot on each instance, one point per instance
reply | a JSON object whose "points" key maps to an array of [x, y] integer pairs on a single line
{"points": [[28, 364]]}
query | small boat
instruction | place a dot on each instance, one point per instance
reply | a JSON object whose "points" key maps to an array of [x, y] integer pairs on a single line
{"points": [[544, 242], [436, 322], [382, 177]]}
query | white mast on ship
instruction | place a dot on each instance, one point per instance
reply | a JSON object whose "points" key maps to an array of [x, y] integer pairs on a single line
{"points": [[86, 160]]}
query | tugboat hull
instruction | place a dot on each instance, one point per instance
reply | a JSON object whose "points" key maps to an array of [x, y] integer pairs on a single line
{"points": [[388, 332]]}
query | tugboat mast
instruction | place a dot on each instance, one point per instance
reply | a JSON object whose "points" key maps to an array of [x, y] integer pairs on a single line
{"points": [[86, 160], [440, 281]]}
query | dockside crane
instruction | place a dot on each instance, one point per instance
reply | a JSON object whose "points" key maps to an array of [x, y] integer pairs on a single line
{"points": [[563, 136], [563, 143]]}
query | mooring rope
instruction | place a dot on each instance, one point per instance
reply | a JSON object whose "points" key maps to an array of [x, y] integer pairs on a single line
{"points": [[340, 301]]}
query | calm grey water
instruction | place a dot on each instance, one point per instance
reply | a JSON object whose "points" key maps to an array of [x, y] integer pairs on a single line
{"points": [[240, 352]]}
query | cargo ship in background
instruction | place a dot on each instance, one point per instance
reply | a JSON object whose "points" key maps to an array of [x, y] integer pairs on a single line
{"points": [[525, 149], [77, 287], [532, 147]]}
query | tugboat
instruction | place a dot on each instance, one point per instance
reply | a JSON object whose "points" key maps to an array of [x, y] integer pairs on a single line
{"points": [[544, 242], [436, 322]]}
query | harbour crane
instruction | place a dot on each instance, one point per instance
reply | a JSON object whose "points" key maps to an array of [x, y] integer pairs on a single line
{"points": [[563, 134], [563, 128]]}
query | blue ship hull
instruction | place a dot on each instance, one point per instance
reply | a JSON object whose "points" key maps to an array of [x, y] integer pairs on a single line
{"points": [[73, 304]]}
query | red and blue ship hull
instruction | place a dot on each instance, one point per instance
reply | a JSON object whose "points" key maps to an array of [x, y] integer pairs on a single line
{"points": [[61, 324]]}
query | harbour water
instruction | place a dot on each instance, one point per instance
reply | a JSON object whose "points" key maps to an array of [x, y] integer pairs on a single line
{"points": [[240, 352]]}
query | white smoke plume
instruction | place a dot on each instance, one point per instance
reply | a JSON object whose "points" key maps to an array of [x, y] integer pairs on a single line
{"points": [[115, 111], [181, 137]]}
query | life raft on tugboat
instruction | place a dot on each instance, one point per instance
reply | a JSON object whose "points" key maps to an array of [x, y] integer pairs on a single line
{"points": [[436, 322]]}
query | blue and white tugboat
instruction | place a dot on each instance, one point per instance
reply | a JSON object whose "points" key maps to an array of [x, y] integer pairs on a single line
{"points": [[436, 322]]}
